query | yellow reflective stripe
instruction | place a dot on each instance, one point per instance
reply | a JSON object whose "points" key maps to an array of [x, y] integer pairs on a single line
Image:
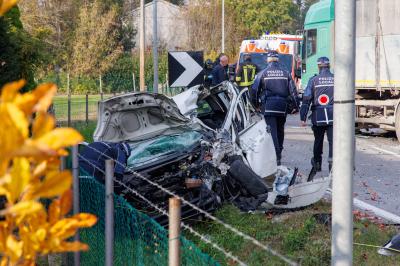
{"points": [[238, 78], [245, 74], [245, 84]]}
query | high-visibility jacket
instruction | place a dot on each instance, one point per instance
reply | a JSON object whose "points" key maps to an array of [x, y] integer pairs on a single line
{"points": [[246, 74]]}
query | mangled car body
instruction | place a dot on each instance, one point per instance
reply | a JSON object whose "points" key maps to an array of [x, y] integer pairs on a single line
{"points": [[206, 145]]}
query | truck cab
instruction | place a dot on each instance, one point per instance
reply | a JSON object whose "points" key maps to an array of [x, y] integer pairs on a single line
{"points": [[317, 38]]}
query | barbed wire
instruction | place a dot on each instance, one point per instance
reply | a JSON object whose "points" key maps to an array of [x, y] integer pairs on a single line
{"points": [[208, 215], [164, 212]]}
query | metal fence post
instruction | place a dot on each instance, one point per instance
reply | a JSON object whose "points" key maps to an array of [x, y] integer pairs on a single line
{"points": [[75, 174], [134, 81], [174, 232], [109, 227], [343, 133], [100, 84], [69, 110], [87, 108]]}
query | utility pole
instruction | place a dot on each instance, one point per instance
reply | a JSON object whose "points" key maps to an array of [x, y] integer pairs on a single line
{"points": [[223, 27], [155, 47], [141, 44], [343, 133]]}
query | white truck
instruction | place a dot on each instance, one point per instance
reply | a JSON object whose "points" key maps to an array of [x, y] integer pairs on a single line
{"points": [[377, 57]]}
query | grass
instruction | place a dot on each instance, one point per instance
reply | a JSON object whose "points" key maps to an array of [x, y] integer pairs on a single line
{"points": [[298, 234], [78, 107]]}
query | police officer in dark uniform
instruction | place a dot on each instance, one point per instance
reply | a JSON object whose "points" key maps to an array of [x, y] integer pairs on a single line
{"points": [[246, 73], [319, 96], [272, 89]]}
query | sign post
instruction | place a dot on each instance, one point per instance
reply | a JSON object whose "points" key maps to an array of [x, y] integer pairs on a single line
{"points": [[185, 69]]}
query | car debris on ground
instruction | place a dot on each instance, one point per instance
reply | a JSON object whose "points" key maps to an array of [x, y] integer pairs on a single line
{"points": [[207, 145]]}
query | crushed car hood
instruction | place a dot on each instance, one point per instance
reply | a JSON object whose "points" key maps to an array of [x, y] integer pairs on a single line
{"points": [[137, 117]]}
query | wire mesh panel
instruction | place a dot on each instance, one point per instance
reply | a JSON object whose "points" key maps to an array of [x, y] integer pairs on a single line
{"points": [[138, 239]]}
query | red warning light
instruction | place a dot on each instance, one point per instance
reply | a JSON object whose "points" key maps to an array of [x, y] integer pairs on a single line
{"points": [[323, 99]]}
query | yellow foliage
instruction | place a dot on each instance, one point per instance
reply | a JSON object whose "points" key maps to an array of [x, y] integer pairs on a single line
{"points": [[6, 5], [30, 147]]}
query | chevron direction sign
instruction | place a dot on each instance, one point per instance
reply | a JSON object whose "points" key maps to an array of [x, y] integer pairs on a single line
{"points": [[185, 69]]}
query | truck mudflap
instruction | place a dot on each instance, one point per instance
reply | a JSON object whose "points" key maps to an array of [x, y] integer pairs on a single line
{"points": [[291, 194]]}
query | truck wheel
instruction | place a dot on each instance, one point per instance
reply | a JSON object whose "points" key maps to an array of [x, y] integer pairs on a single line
{"points": [[397, 124]]}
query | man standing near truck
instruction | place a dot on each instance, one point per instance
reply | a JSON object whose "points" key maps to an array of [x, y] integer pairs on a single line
{"points": [[272, 89], [319, 96]]}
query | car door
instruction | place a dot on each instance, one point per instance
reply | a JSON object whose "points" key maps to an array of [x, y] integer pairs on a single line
{"points": [[254, 139]]}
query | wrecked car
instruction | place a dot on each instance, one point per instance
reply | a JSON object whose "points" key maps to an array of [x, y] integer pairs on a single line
{"points": [[208, 145]]}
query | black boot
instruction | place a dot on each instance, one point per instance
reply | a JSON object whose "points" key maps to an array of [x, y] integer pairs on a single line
{"points": [[278, 160], [316, 165]]}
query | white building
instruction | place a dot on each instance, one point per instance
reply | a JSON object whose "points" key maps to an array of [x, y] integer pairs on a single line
{"points": [[172, 29]]}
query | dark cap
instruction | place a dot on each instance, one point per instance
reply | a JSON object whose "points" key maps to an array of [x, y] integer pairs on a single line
{"points": [[323, 61], [273, 54]]}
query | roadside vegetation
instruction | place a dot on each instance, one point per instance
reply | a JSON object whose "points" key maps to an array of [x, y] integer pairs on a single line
{"points": [[303, 236]]}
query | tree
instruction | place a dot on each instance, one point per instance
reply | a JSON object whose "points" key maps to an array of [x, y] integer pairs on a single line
{"points": [[20, 53], [95, 42], [243, 19]]}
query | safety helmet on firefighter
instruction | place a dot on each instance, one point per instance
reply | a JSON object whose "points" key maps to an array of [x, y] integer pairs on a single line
{"points": [[323, 61]]}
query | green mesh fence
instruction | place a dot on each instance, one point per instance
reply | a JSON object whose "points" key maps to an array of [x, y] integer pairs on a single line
{"points": [[138, 240]]}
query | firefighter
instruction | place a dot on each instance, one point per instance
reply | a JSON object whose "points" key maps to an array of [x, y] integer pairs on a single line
{"points": [[246, 73], [319, 97], [220, 71], [208, 67], [272, 89]]}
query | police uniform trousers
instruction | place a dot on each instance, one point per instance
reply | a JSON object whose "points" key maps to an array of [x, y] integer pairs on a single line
{"points": [[277, 127], [319, 133]]}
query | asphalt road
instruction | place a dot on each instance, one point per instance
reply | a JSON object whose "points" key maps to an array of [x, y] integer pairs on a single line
{"points": [[377, 173]]}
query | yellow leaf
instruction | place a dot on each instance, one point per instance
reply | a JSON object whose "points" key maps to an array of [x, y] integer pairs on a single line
{"points": [[67, 227], [20, 176], [85, 219], [60, 138], [45, 94], [54, 211], [66, 202], [4, 261], [23, 208], [14, 248], [53, 185], [39, 100], [43, 124], [72, 247], [41, 234], [10, 90], [39, 170]]}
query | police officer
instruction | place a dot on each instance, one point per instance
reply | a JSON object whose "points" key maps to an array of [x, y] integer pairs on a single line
{"points": [[272, 88], [319, 96], [246, 73]]}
